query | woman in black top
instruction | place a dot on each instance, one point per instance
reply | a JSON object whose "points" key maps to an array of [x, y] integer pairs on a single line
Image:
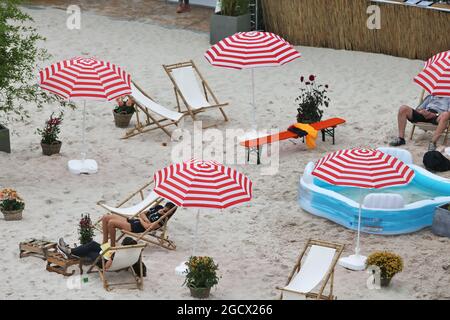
{"points": [[145, 220]]}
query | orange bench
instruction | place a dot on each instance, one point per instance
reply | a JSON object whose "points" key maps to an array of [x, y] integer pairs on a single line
{"points": [[326, 127]]}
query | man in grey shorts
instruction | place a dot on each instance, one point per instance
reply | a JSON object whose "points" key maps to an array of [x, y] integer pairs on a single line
{"points": [[435, 110]]}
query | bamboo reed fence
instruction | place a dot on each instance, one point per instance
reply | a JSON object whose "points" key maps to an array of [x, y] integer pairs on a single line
{"points": [[406, 31]]}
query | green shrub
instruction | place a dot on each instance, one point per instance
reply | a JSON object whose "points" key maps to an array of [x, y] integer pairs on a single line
{"points": [[201, 273], [234, 7]]}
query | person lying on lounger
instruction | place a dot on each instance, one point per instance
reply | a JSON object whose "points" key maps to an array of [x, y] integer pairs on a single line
{"points": [[435, 110], [145, 221], [90, 251]]}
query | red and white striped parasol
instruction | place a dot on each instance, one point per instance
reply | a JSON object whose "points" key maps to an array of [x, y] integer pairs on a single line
{"points": [[202, 184], [249, 50], [435, 76], [362, 168], [85, 78]]}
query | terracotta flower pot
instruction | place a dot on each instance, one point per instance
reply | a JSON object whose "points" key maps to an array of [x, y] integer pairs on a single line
{"points": [[201, 293], [49, 149], [12, 215], [122, 120]]}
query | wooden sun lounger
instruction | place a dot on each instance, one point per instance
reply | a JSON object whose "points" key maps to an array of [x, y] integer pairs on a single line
{"points": [[154, 115], [426, 126], [313, 268], [124, 259], [155, 236], [327, 127], [158, 236], [184, 77]]}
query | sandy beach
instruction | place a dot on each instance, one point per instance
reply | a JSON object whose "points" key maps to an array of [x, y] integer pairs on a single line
{"points": [[255, 244]]}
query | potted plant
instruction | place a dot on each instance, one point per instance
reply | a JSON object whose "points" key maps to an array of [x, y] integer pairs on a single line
{"points": [[123, 111], [11, 204], [201, 276], [441, 221], [49, 142], [312, 97], [389, 264], [85, 229], [233, 17]]}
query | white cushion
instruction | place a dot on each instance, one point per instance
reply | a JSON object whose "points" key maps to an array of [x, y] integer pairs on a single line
{"points": [[399, 153], [383, 201]]}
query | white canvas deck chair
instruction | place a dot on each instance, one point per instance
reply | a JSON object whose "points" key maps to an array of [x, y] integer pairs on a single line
{"points": [[316, 269], [123, 260], [156, 236], [159, 236], [154, 115], [196, 98], [425, 126]]}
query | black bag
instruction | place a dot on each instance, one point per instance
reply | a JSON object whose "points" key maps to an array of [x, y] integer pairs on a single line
{"points": [[137, 270], [436, 161], [297, 131]]}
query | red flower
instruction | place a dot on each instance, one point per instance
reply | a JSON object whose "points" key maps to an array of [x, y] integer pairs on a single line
{"points": [[312, 78], [302, 78], [307, 83]]}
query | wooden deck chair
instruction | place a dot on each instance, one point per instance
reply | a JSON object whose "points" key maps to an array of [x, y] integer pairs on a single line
{"points": [[124, 259], [155, 116], [160, 236], [186, 87], [156, 236], [425, 126], [134, 210], [317, 268]]}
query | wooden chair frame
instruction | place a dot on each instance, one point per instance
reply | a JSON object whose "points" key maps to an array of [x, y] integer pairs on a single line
{"points": [[139, 281], [329, 276], [150, 121], [155, 236], [428, 126], [206, 90], [158, 236]]}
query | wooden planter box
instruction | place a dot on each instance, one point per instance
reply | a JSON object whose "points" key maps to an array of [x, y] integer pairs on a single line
{"points": [[5, 144], [224, 26], [441, 221]]}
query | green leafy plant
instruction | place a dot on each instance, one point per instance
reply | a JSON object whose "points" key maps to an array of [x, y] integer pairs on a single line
{"points": [[388, 262], [125, 106], [85, 229], [234, 7], [202, 272], [51, 130], [10, 200], [19, 58], [312, 97]]}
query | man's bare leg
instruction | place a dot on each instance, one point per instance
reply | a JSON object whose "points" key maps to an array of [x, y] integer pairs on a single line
{"points": [[404, 113], [442, 125]]}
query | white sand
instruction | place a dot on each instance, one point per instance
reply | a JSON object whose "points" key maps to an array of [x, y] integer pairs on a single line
{"points": [[256, 245]]}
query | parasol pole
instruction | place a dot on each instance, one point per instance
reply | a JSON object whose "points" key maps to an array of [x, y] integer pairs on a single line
{"points": [[254, 125], [197, 218], [83, 152]]}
